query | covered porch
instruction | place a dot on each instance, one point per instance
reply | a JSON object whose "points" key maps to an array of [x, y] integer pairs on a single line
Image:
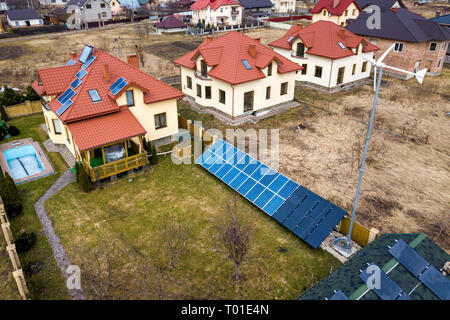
{"points": [[110, 144]]}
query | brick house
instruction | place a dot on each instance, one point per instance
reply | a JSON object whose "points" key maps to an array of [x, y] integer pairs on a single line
{"points": [[419, 43]]}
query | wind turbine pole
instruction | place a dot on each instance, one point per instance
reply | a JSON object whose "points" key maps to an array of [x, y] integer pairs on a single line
{"points": [[363, 162]]}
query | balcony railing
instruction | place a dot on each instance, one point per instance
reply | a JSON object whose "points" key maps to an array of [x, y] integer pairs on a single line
{"points": [[119, 166]]}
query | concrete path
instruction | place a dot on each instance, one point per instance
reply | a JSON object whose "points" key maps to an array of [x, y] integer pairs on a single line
{"points": [[55, 242]]}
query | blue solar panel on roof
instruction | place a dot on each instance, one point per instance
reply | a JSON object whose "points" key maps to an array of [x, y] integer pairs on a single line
{"points": [[303, 212], [290, 38], [118, 85], [76, 83], [88, 62], [246, 64], [69, 93], [64, 107], [70, 62], [85, 53], [81, 73], [436, 282], [408, 257], [338, 295], [388, 289]]}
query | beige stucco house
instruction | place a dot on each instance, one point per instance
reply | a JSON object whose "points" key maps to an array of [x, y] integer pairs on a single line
{"points": [[217, 12], [330, 55], [101, 108], [237, 75], [283, 6], [337, 11]]}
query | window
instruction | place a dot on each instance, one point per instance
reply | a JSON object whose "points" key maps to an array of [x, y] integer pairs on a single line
{"points": [[189, 82], [398, 47], [353, 12], [364, 66], [248, 101], [56, 126], [300, 52], [324, 13], [269, 69], [318, 72], [346, 13], [305, 68], [433, 46], [67, 134], [340, 75], [246, 64], [341, 45], [160, 120], [88, 6], [284, 88], [95, 97], [268, 93], [102, 5], [199, 91], [208, 92], [130, 98], [104, 14], [439, 63], [221, 96], [204, 68], [354, 69]]}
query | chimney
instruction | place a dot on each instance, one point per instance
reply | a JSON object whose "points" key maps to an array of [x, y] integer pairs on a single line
{"points": [[133, 60], [341, 33], [299, 26], [438, 13], [106, 73], [209, 39], [257, 39], [252, 50], [336, 3], [73, 55], [395, 10]]}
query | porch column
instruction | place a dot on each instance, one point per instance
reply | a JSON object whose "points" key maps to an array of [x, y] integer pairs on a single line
{"points": [[140, 144], [126, 148]]}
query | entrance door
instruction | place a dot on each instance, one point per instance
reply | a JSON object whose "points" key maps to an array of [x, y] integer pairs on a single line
{"points": [[248, 101], [340, 76]]}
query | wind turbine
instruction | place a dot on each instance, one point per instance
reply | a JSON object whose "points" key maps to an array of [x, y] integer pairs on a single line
{"points": [[345, 243]]}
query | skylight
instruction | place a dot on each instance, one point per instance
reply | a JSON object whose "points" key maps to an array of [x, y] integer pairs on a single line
{"points": [[290, 38], [95, 97], [341, 45], [246, 64]]}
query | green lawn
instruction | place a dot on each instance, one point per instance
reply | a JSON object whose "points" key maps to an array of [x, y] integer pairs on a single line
{"points": [[48, 283], [128, 215]]}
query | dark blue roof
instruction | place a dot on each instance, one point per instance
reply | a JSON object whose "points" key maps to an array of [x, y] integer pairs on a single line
{"points": [[442, 19], [253, 4], [22, 14], [383, 4], [402, 25]]}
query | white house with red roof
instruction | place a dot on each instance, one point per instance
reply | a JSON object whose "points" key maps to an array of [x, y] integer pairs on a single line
{"points": [[237, 75], [283, 6], [217, 12], [329, 54], [337, 11], [101, 107]]}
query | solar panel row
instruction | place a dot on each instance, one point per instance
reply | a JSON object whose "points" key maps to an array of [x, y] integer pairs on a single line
{"points": [[76, 83], [301, 211], [64, 107], [85, 53], [81, 74], [69, 93], [118, 85], [88, 62]]}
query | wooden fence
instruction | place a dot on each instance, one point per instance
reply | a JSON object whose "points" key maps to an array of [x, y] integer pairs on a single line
{"points": [[360, 234], [196, 132], [23, 109], [11, 248]]}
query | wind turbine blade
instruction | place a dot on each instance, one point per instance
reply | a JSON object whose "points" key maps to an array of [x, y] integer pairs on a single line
{"points": [[420, 75], [372, 61], [386, 53], [375, 78]]}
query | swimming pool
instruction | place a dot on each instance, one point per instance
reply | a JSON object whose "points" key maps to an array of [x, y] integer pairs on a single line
{"points": [[23, 162]]}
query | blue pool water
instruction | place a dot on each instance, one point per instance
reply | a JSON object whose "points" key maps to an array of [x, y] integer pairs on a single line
{"points": [[23, 162]]}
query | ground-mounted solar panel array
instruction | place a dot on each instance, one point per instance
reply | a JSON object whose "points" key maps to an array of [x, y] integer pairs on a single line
{"points": [[303, 212]]}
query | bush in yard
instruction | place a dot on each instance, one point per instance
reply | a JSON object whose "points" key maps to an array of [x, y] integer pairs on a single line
{"points": [[25, 241], [84, 180], [3, 114], [13, 131], [77, 167], [10, 195]]}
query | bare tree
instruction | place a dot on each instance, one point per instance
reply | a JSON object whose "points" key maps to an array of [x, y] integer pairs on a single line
{"points": [[235, 236], [174, 233]]}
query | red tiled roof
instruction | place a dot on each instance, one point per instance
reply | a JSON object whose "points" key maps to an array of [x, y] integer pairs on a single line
{"points": [[214, 4], [341, 6], [225, 55], [321, 38], [170, 22], [59, 79], [98, 131]]}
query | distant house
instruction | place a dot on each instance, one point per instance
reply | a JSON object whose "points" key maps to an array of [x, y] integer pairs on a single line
{"points": [[337, 11], [3, 6], [53, 2], [92, 10], [409, 266], [170, 24], [101, 108], [236, 75], [23, 18], [329, 54], [257, 8], [419, 43], [121, 7], [444, 21], [283, 6], [217, 12]]}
